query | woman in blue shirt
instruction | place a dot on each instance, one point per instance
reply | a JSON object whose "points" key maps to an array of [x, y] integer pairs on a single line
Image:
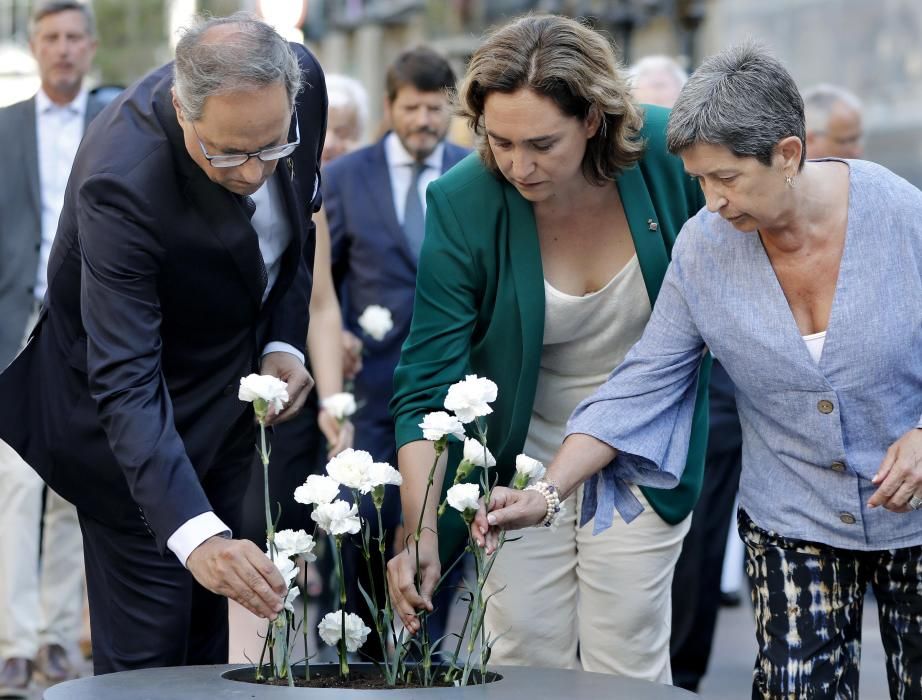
{"points": [[804, 278]]}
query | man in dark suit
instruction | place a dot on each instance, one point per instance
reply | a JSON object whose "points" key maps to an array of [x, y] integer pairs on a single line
{"points": [[177, 268], [42, 600], [375, 202]]}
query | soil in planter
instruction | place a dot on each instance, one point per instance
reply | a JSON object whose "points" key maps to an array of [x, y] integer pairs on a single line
{"points": [[361, 677]]}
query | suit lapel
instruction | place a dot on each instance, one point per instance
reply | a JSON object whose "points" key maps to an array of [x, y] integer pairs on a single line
{"points": [[292, 253], [30, 148], [378, 181], [645, 229], [528, 279]]}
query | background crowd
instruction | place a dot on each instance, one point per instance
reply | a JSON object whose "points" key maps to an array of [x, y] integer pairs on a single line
{"points": [[370, 231]]}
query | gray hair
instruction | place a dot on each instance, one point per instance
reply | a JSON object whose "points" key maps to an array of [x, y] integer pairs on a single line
{"points": [[742, 98], [254, 56], [44, 8], [657, 64], [819, 101], [343, 91]]}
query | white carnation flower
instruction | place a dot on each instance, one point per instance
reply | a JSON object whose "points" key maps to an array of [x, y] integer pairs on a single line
{"points": [[470, 398], [350, 468], [331, 630], [317, 490], [464, 497], [438, 424], [528, 467], [340, 406], [264, 387], [376, 321], [383, 474], [337, 518], [474, 452], [287, 568], [295, 542], [291, 597]]}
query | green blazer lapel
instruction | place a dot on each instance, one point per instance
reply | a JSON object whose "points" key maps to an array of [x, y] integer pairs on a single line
{"points": [[645, 229], [528, 281]]}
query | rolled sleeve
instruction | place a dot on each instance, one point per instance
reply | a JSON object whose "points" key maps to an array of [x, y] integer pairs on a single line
{"points": [[644, 410]]}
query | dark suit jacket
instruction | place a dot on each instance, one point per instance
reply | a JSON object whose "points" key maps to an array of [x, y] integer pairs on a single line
{"points": [[126, 396], [372, 264], [21, 219]]}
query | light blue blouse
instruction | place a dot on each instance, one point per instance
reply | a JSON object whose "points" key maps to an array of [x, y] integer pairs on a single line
{"points": [[813, 434]]}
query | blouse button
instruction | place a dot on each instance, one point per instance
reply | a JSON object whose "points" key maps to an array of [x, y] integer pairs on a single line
{"points": [[837, 467], [847, 518], [825, 406]]}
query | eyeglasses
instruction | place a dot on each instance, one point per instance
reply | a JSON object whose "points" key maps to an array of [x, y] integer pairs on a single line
{"points": [[265, 155]]}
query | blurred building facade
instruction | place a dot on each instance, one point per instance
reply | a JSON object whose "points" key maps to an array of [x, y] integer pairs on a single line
{"points": [[871, 48]]}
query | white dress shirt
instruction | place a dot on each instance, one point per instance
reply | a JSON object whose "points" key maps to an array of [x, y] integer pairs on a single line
{"points": [[399, 166], [274, 232], [58, 130]]}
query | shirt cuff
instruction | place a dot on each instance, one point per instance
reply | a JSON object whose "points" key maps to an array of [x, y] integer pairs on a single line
{"points": [[279, 346], [193, 532]]}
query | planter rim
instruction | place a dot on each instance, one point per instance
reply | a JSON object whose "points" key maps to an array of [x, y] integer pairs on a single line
{"points": [[206, 683]]}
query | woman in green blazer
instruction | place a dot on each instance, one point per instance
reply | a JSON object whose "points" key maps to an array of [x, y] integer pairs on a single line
{"points": [[543, 255]]}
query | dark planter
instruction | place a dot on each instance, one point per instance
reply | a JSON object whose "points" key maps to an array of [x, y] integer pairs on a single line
{"points": [[207, 683]]}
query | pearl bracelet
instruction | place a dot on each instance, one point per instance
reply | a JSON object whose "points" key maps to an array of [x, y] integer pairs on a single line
{"points": [[549, 491]]}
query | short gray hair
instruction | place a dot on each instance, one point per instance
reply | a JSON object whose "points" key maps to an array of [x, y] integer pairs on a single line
{"points": [[742, 98], [254, 56], [343, 91], [44, 8], [819, 101]]}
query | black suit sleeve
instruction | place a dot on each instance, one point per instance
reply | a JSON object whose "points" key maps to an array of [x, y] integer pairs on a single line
{"points": [[290, 317], [121, 262]]}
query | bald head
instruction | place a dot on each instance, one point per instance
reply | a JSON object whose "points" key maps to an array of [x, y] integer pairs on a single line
{"points": [[231, 54]]}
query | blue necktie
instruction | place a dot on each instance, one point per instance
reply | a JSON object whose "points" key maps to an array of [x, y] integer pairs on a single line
{"points": [[414, 220], [249, 207]]}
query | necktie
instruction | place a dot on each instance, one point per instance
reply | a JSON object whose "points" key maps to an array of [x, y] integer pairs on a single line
{"points": [[249, 206], [414, 220]]}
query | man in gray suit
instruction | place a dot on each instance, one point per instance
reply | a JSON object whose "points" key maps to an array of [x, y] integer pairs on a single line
{"points": [[41, 601]]}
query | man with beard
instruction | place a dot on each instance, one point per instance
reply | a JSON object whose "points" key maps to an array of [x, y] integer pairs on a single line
{"points": [[375, 202]]}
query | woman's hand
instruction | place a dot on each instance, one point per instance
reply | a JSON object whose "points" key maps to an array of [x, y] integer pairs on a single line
{"points": [[899, 478], [510, 509], [339, 436], [401, 578]]}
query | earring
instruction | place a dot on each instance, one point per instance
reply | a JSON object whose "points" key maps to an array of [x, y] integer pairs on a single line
{"points": [[789, 181]]}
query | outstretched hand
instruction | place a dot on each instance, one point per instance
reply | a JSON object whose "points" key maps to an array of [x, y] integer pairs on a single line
{"points": [[510, 509], [239, 570], [401, 579], [290, 370]]}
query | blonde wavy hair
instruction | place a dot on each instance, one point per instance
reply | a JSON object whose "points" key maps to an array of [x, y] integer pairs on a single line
{"points": [[572, 65]]}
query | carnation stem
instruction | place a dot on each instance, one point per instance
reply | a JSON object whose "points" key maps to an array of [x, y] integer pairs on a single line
{"points": [[343, 662]]}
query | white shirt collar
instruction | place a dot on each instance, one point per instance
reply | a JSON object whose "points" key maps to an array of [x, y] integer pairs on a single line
{"points": [[397, 155], [43, 103]]}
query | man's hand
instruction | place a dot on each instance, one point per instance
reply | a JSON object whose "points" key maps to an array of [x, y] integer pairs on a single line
{"points": [[239, 570], [900, 475], [339, 436], [401, 577], [290, 370], [352, 355]]}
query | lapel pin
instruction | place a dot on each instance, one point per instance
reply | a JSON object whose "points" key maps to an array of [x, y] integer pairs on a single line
{"points": [[652, 225]]}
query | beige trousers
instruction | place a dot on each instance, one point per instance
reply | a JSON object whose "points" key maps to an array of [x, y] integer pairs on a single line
{"points": [[41, 598], [567, 599]]}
